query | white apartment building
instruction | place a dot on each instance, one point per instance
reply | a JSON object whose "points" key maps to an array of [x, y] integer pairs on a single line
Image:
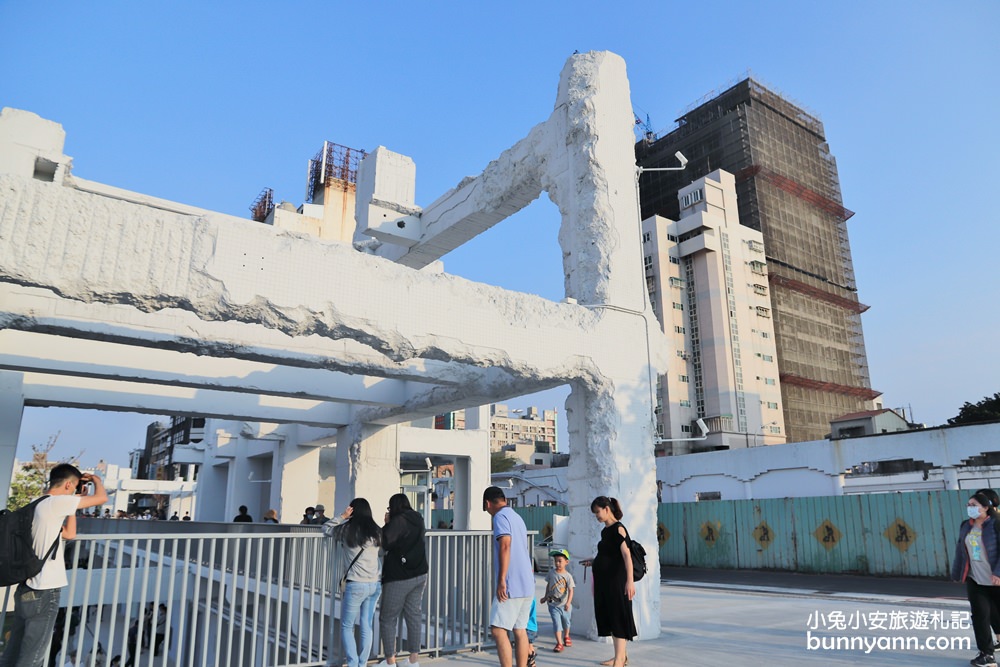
{"points": [[707, 280]]}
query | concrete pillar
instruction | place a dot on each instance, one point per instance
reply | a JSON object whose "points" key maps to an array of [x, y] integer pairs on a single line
{"points": [[472, 475], [747, 490], [950, 478], [367, 467], [610, 461], [11, 409], [838, 484]]}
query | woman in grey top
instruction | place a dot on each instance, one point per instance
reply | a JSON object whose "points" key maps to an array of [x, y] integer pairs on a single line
{"points": [[358, 539]]}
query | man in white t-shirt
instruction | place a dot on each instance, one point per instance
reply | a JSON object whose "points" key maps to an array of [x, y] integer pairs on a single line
{"points": [[36, 602]]}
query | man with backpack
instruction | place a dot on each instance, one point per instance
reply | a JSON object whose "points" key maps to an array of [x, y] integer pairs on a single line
{"points": [[36, 600]]}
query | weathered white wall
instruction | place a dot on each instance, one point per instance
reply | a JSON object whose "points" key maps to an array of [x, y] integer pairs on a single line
{"points": [[816, 468]]}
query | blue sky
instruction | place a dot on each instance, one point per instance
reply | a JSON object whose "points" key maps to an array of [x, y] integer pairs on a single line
{"points": [[208, 103]]}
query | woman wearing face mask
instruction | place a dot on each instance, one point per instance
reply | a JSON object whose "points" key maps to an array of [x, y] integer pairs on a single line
{"points": [[977, 563]]}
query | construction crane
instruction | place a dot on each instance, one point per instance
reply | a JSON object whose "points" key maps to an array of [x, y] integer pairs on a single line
{"points": [[646, 132]]}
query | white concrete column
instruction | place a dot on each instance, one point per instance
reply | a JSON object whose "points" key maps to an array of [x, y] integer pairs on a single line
{"points": [[612, 456], [300, 482], [747, 490], [838, 484], [11, 409], [950, 478], [367, 467], [472, 475]]}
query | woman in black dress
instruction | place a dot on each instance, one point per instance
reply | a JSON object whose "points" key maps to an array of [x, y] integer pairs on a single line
{"points": [[614, 587]]}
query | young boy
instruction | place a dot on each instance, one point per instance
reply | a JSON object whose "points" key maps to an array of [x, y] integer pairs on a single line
{"points": [[559, 594]]}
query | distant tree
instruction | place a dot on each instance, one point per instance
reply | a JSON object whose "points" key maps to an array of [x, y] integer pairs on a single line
{"points": [[28, 484], [985, 410], [501, 463], [31, 480]]}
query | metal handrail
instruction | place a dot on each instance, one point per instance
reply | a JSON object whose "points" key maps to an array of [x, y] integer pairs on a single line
{"points": [[222, 594]]}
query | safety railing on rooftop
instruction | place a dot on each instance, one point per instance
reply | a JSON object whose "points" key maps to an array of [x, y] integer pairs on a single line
{"points": [[244, 595]]}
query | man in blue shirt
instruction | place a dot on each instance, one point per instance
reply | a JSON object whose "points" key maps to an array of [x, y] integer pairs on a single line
{"points": [[515, 579]]}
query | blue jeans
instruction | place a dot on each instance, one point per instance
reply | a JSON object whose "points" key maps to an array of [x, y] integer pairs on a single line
{"points": [[357, 605], [560, 617], [34, 620]]}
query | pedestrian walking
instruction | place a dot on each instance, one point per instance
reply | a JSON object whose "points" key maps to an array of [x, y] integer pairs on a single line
{"points": [[358, 539], [977, 563], [559, 586], [614, 586], [404, 578], [514, 578]]}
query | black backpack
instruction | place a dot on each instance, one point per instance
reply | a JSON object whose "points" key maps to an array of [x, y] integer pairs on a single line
{"points": [[638, 557], [18, 560]]}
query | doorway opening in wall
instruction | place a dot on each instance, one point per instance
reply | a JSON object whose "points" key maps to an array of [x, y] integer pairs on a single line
{"points": [[520, 253], [114, 445]]}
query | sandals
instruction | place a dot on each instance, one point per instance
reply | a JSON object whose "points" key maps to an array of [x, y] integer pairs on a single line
{"points": [[558, 648], [611, 661], [531, 659], [568, 642]]}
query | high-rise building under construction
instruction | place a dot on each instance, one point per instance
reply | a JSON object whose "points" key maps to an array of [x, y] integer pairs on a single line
{"points": [[787, 188]]}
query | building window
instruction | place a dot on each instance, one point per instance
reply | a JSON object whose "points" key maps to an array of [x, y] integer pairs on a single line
{"points": [[760, 289], [758, 267], [676, 282], [775, 429], [765, 334], [767, 357], [769, 381], [646, 237], [682, 378], [772, 405], [671, 237], [756, 246], [763, 312], [679, 330], [647, 262], [691, 198], [685, 428], [674, 260], [678, 306], [684, 403], [682, 354]]}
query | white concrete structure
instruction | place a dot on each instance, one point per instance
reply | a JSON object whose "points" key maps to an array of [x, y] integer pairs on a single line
{"points": [[707, 281], [833, 468], [158, 307]]}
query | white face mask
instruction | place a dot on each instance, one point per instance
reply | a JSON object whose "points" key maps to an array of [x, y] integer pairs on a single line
{"points": [[973, 512]]}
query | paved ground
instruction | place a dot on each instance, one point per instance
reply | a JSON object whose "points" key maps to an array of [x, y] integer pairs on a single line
{"points": [[729, 617]]}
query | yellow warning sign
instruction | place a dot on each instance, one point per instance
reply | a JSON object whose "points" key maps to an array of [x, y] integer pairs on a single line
{"points": [[710, 532], [900, 535], [827, 534], [763, 534], [662, 534]]}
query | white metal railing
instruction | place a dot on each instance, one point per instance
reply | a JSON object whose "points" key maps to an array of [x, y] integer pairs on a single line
{"points": [[242, 595]]}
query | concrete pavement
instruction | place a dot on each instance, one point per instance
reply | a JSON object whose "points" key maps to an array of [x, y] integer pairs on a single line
{"points": [[745, 618]]}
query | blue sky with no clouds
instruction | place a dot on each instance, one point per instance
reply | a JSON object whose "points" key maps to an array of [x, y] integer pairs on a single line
{"points": [[208, 103]]}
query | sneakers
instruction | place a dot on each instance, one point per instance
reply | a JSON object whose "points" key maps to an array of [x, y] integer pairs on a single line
{"points": [[398, 663], [983, 660]]}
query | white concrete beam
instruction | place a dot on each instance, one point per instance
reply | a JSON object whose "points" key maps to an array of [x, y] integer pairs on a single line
{"points": [[111, 361], [89, 393]]}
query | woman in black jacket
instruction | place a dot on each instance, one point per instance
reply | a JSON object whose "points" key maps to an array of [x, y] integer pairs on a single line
{"points": [[404, 578]]}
